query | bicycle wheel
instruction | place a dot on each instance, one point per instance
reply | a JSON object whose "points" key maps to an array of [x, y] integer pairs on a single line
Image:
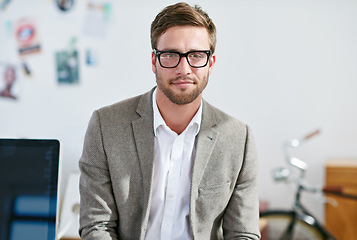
{"points": [[278, 226]]}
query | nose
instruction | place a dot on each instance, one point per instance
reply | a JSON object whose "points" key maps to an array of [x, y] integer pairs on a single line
{"points": [[183, 67]]}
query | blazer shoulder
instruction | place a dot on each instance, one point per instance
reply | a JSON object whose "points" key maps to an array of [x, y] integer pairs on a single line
{"points": [[222, 119], [127, 108], [124, 105]]}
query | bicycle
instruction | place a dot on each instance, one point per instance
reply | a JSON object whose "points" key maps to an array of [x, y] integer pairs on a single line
{"points": [[296, 223]]}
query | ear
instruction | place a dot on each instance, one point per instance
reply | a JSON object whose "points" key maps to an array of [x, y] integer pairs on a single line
{"points": [[153, 62], [212, 63]]}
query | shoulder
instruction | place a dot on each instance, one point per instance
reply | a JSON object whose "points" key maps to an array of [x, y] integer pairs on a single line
{"points": [[221, 119], [128, 108]]}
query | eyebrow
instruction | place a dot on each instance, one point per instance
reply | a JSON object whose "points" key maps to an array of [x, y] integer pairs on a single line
{"points": [[175, 50]]}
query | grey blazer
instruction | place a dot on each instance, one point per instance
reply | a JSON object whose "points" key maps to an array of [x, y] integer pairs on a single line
{"points": [[117, 174]]}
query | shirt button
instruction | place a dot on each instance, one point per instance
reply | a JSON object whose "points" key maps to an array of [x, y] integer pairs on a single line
{"points": [[171, 196]]}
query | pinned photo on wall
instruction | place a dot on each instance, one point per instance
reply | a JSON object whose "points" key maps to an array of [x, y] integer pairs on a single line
{"points": [[8, 81], [26, 69], [8, 28], [4, 4], [97, 17], [91, 57], [27, 37], [65, 5], [67, 67], [66, 10]]}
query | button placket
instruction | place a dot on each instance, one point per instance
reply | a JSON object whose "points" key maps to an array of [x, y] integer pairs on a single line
{"points": [[172, 185]]}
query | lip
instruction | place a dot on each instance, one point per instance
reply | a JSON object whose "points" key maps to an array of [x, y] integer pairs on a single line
{"points": [[183, 83]]}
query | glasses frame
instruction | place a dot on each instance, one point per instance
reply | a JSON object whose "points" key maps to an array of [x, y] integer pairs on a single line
{"points": [[158, 54]]}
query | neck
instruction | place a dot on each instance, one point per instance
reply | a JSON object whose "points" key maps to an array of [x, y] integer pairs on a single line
{"points": [[177, 117]]}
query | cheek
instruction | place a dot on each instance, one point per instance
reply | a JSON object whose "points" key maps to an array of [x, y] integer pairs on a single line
{"points": [[202, 73]]}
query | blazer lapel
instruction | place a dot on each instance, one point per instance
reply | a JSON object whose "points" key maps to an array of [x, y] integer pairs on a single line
{"points": [[144, 140], [206, 141]]}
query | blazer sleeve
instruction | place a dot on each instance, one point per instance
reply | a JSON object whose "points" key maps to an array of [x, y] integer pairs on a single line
{"points": [[241, 218], [98, 212]]}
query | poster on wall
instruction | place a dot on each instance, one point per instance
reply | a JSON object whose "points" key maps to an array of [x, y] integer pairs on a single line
{"points": [[27, 37], [97, 16], [8, 81], [3, 4], [65, 5], [67, 67], [91, 57]]}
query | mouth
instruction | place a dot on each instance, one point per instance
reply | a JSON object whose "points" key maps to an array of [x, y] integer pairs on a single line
{"points": [[183, 83]]}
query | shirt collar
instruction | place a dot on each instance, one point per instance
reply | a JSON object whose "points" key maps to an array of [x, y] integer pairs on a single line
{"points": [[158, 120]]}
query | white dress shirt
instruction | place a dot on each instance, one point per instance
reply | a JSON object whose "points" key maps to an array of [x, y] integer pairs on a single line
{"points": [[173, 162]]}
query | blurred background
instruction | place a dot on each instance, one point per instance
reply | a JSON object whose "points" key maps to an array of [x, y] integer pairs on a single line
{"points": [[283, 67]]}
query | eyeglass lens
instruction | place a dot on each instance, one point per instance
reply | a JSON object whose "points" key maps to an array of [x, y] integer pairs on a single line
{"points": [[172, 59]]}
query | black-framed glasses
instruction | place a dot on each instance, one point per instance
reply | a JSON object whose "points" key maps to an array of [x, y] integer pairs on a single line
{"points": [[171, 59]]}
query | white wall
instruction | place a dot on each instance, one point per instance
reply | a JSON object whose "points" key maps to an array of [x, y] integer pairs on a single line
{"points": [[283, 67]]}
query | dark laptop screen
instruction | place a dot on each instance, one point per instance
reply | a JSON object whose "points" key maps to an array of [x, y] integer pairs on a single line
{"points": [[28, 189]]}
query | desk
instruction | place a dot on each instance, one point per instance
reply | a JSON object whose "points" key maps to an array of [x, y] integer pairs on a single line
{"points": [[341, 221]]}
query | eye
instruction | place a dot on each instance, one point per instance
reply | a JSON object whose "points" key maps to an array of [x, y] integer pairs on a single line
{"points": [[169, 55], [197, 55]]}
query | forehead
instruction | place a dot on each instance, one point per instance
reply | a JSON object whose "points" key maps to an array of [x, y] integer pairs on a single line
{"points": [[184, 38]]}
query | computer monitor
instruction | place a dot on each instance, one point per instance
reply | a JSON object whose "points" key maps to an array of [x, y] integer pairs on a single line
{"points": [[28, 189]]}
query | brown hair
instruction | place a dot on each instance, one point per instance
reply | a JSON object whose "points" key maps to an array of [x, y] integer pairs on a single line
{"points": [[182, 14]]}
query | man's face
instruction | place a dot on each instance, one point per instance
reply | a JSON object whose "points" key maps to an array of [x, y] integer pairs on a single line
{"points": [[10, 75], [182, 84]]}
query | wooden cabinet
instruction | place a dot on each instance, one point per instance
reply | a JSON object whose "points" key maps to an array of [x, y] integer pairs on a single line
{"points": [[341, 220]]}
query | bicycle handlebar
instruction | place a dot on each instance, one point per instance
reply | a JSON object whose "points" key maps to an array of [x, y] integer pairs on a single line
{"points": [[332, 189], [281, 174], [310, 135], [338, 191], [298, 142]]}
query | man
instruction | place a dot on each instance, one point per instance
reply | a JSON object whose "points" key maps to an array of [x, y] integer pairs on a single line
{"points": [[166, 164], [9, 77]]}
